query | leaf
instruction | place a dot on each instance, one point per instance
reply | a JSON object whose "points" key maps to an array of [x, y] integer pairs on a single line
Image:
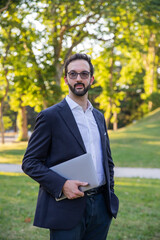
{"points": [[27, 220]]}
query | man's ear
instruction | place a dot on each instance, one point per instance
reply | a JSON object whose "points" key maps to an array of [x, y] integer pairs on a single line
{"points": [[92, 80], [65, 79]]}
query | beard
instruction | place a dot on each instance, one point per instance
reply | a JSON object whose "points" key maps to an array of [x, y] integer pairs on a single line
{"points": [[81, 92]]}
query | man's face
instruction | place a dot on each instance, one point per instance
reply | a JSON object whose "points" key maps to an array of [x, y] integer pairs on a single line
{"points": [[79, 85]]}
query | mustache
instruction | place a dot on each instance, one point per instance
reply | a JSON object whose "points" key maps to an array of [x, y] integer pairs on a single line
{"points": [[76, 84]]}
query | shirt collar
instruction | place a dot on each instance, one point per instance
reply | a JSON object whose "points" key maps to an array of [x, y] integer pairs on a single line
{"points": [[72, 104]]}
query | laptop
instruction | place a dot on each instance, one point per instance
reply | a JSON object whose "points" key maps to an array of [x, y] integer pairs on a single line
{"points": [[79, 168]]}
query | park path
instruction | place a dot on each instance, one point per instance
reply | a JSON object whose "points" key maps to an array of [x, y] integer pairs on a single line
{"points": [[119, 171]]}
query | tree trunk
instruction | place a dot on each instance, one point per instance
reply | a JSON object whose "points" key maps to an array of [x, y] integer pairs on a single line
{"points": [[1, 124], [59, 73], [152, 55], [22, 124], [7, 83], [150, 104], [115, 121], [149, 63], [1, 105], [107, 121], [111, 63], [44, 104]]}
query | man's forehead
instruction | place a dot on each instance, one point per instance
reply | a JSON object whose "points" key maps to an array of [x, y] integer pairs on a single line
{"points": [[79, 64]]}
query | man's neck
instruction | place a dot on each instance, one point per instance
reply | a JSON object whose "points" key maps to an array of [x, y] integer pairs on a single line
{"points": [[81, 100]]}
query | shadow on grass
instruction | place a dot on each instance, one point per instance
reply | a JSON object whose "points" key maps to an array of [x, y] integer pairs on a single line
{"points": [[12, 152]]}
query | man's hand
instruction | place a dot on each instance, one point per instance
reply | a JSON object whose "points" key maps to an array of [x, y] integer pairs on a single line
{"points": [[71, 190]]}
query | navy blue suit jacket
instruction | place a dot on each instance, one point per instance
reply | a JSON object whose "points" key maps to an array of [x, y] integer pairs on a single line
{"points": [[55, 139]]}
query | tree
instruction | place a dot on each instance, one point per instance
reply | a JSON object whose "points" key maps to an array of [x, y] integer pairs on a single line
{"points": [[16, 59], [4, 5], [36, 77], [66, 25], [44, 33], [4, 73], [150, 38], [108, 64], [107, 76], [134, 47], [9, 34]]}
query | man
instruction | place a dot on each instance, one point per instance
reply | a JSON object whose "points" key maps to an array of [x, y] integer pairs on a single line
{"points": [[62, 132]]}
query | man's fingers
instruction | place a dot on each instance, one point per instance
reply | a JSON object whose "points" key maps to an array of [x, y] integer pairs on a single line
{"points": [[81, 183], [79, 193], [75, 194], [71, 189]]}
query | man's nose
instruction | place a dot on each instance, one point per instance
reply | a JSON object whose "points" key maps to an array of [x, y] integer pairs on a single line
{"points": [[79, 78]]}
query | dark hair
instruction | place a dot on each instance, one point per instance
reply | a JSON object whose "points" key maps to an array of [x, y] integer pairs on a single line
{"points": [[80, 56]]}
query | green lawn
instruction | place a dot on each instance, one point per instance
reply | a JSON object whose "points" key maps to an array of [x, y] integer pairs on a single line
{"points": [[139, 213], [12, 152], [17, 205], [138, 218], [138, 145]]}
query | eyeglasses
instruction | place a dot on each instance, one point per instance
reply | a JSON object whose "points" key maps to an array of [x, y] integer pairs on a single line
{"points": [[74, 75]]}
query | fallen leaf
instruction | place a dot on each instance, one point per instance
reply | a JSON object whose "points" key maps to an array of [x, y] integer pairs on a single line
{"points": [[27, 220]]}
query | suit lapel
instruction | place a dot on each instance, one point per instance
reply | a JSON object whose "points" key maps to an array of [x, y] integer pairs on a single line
{"points": [[102, 131], [69, 119], [99, 122]]}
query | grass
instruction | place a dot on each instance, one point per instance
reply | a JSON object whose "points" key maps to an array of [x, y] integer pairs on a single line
{"points": [[138, 145], [17, 206], [139, 213], [138, 218], [12, 152]]}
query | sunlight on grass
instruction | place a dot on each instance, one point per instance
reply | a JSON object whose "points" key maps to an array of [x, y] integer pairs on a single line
{"points": [[12, 153], [153, 143], [18, 145], [135, 184], [11, 174], [138, 145]]}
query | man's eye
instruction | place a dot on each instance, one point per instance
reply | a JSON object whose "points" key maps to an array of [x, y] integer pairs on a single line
{"points": [[84, 74], [72, 74]]}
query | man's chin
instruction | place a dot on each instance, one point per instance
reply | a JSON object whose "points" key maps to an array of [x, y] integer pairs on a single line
{"points": [[79, 90], [79, 93]]}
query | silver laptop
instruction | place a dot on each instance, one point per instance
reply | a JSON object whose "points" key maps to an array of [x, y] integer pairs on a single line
{"points": [[80, 168]]}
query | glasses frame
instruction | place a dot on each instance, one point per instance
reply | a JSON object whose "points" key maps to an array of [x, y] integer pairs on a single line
{"points": [[78, 74]]}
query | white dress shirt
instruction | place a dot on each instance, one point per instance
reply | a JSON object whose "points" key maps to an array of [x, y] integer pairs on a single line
{"points": [[90, 134]]}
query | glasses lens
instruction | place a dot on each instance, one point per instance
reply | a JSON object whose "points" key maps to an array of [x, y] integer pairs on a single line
{"points": [[73, 75], [84, 74]]}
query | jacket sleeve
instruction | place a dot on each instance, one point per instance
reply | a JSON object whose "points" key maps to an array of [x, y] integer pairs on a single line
{"points": [[110, 161], [33, 163]]}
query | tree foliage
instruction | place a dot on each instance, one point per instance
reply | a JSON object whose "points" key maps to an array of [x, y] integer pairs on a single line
{"points": [[36, 37], [135, 49]]}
